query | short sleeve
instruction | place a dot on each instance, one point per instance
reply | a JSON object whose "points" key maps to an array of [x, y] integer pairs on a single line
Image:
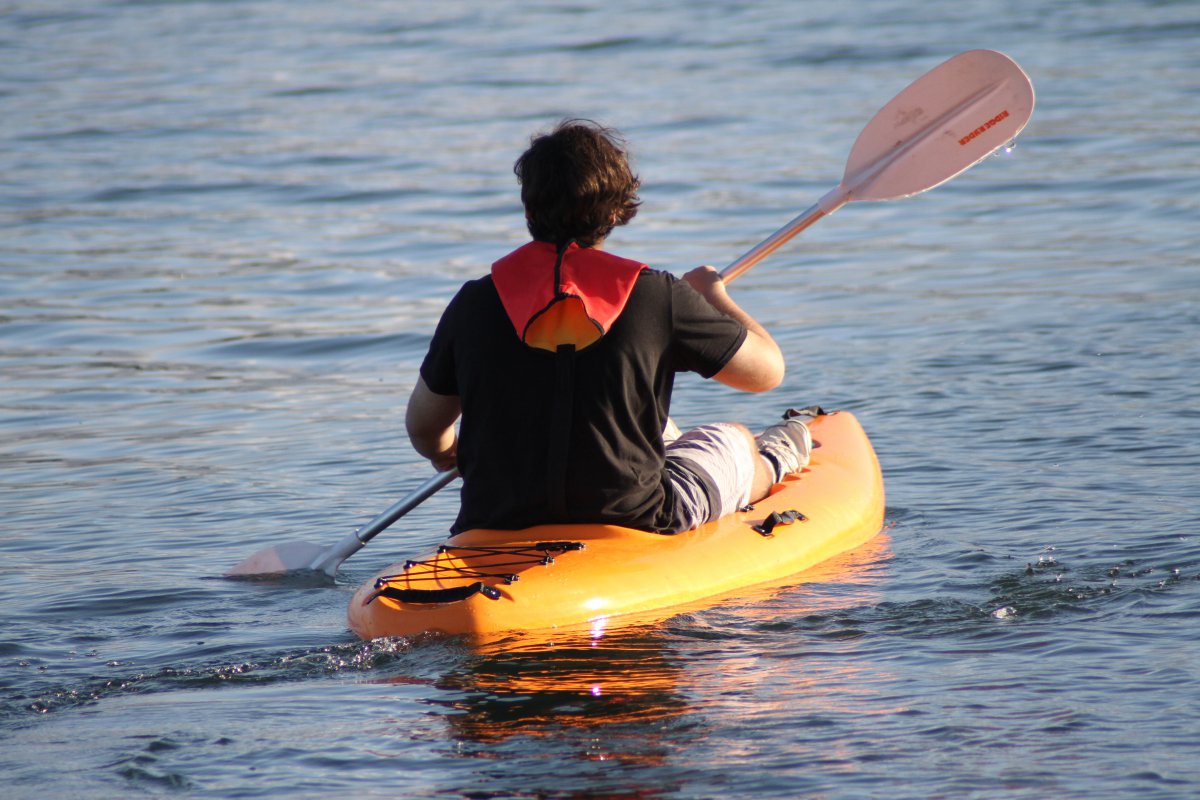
{"points": [[704, 339], [440, 369]]}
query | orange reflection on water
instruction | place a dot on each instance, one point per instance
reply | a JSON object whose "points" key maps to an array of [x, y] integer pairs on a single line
{"points": [[610, 690]]}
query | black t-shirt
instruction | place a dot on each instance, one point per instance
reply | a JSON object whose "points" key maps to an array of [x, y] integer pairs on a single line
{"points": [[620, 401]]}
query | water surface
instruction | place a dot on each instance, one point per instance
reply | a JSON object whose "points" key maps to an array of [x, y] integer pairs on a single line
{"points": [[228, 228]]}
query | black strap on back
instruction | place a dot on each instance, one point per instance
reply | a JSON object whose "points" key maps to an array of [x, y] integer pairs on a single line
{"points": [[560, 431], [561, 414]]}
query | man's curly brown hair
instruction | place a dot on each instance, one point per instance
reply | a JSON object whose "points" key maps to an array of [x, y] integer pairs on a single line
{"points": [[576, 183]]}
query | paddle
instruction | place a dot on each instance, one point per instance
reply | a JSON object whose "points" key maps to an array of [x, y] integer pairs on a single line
{"points": [[296, 556], [945, 122]]}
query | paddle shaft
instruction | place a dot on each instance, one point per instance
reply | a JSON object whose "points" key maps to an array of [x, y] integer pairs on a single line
{"points": [[428, 489], [824, 207], [332, 559]]}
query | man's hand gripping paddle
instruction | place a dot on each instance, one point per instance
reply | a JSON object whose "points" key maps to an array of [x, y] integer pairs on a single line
{"points": [[945, 122]]}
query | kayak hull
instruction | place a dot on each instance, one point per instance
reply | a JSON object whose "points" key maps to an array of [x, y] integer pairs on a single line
{"points": [[557, 576]]}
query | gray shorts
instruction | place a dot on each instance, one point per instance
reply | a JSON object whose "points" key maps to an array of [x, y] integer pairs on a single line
{"points": [[711, 470]]}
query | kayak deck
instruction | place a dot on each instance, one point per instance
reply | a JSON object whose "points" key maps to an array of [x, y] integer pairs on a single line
{"points": [[551, 576]]}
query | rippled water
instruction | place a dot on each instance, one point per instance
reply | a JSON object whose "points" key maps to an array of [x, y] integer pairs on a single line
{"points": [[228, 228]]}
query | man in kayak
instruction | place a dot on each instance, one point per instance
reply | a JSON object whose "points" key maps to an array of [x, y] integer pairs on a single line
{"points": [[561, 362]]}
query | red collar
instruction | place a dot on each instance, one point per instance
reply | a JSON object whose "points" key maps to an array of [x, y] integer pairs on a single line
{"points": [[572, 296]]}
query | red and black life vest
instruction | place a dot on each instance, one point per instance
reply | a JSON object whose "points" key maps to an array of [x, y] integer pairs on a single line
{"points": [[562, 299], [558, 296]]}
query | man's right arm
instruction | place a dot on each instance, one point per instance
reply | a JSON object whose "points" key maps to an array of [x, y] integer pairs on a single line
{"points": [[430, 422]]}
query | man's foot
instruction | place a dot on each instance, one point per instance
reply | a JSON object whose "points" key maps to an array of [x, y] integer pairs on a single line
{"points": [[786, 445]]}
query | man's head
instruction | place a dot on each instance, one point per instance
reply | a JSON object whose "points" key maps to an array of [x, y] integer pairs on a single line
{"points": [[576, 183]]}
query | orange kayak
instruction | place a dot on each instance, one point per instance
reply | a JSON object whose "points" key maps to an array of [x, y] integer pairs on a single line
{"points": [[560, 576]]}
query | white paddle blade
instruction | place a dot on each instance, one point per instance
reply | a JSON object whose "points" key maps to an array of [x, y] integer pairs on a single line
{"points": [[296, 556], [949, 119], [278, 560]]}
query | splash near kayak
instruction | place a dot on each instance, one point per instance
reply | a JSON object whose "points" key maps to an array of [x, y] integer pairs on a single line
{"points": [[557, 576]]}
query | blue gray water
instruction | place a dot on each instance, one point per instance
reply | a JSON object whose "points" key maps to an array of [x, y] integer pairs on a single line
{"points": [[228, 228]]}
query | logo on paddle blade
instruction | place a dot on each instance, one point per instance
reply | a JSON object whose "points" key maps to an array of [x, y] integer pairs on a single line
{"points": [[984, 127]]}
